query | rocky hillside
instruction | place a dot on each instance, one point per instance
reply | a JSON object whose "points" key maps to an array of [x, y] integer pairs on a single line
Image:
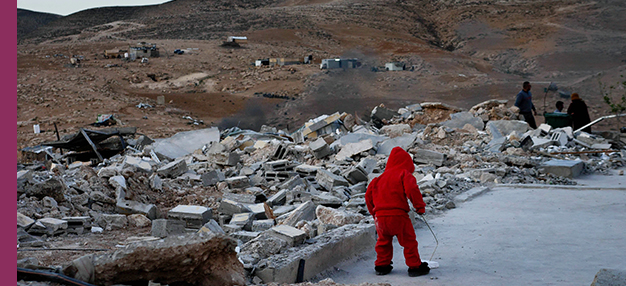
{"points": [[28, 21]]}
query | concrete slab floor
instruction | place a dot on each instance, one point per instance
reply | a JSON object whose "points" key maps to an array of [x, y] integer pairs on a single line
{"points": [[516, 236]]}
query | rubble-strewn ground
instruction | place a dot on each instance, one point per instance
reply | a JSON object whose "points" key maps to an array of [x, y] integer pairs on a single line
{"points": [[290, 171]]}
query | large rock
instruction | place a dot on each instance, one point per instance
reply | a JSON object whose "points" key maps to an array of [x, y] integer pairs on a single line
{"points": [[395, 130], [352, 149], [429, 157], [139, 163], [304, 212], [51, 188], [505, 127], [194, 216], [609, 277], [336, 217], [328, 180], [184, 143], [112, 221], [458, 120], [405, 142], [138, 220], [203, 259]]}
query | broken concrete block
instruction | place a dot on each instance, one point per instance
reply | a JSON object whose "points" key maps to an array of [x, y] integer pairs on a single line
{"points": [[78, 225], [336, 217], [278, 165], [173, 169], [277, 199], [279, 176], [53, 188], [107, 172], [194, 216], [166, 227], [382, 113], [368, 165], [305, 170], [118, 181], [328, 180], [232, 159], [414, 107], [320, 148], [24, 221], [280, 152], [405, 142], [561, 138], [539, 143], [112, 221], [212, 226], [133, 207], [545, 128], [232, 228], [155, 182], [48, 226], [138, 220], [231, 207], [326, 199], [429, 157], [245, 236], [505, 127], [243, 219], [170, 261], [138, 163], [292, 183], [305, 211], [355, 174], [23, 177], [352, 149], [184, 143], [292, 235], [459, 119], [262, 225], [395, 130], [211, 178], [564, 168], [258, 210], [359, 188], [601, 146], [238, 182], [496, 144], [609, 277]]}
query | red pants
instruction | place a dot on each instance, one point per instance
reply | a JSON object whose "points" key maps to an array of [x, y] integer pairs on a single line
{"points": [[389, 226]]}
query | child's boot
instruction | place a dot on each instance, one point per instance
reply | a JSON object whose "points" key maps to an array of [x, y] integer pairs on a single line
{"points": [[423, 269], [383, 270]]}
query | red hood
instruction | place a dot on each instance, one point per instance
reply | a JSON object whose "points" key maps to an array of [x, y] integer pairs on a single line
{"points": [[400, 159]]}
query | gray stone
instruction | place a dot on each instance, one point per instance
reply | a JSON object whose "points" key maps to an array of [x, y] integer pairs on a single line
{"points": [[405, 142], [48, 226], [24, 221], [243, 219], [358, 137], [496, 144], [78, 225], [112, 221], [326, 199], [320, 148], [232, 228], [245, 198], [278, 165], [155, 182], [211, 178], [539, 143], [258, 210], [291, 235], [292, 183], [238, 182], [262, 225], [166, 227], [173, 169], [212, 226], [328, 180], [232, 159], [184, 143], [194, 216], [505, 127], [395, 130], [138, 220], [414, 107], [138, 163], [359, 188], [352, 149], [231, 207], [383, 113], [609, 277], [368, 165], [49, 202], [305, 211], [429, 157], [336, 217], [458, 120], [132, 207], [564, 168], [355, 174], [23, 177], [51, 188]]}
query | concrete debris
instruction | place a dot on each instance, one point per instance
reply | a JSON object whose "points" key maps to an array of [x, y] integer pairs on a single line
{"points": [[609, 277], [169, 261], [286, 197]]}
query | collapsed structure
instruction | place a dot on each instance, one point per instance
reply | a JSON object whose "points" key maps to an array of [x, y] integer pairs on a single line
{"points": [[293, 204]]}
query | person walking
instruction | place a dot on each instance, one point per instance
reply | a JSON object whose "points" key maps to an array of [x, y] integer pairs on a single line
{"points": [[386, 199], [579, 113], [524, 101]]}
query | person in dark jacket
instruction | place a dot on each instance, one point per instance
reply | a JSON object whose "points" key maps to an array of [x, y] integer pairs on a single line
{"points": [[579, 113], [524, 101], [386, 199]]}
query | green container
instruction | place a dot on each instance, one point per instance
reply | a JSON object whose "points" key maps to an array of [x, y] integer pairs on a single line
{"points": [[557, 120]]}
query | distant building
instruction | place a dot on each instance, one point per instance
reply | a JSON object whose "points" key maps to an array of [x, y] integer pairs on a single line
{"points": [[237, 39], [284, 62], [114, 53], [145, 50], [395, 66], [340, 64]]}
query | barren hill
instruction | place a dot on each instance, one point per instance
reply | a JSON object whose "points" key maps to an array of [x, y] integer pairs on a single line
{"points": [[28, 21], [461, 52]]}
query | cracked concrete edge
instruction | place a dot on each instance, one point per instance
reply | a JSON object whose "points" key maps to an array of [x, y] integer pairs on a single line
{"points": [[470, 194], [568, 187]]}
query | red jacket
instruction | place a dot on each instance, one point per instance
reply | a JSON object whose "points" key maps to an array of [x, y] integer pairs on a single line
{"points": [[387, 194]]}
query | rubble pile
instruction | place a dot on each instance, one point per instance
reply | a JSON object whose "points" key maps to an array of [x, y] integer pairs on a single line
{"points": [[295, 199]]}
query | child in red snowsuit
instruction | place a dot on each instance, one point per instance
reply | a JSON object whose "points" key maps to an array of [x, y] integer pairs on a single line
{"points": [[386, 199]]}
